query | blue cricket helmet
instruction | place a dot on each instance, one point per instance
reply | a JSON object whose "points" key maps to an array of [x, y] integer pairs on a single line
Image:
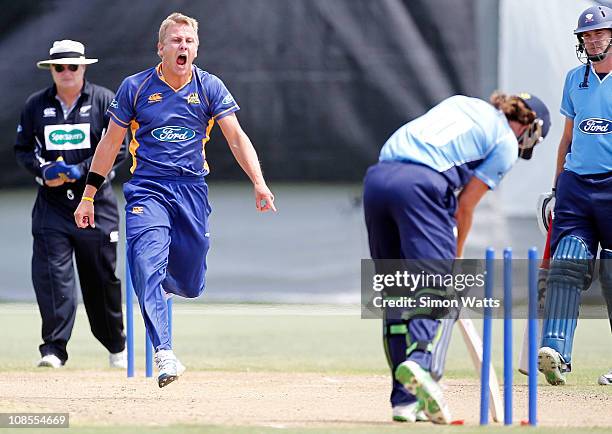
{"points": [[540, 109], [538, 129], [594, 18]]}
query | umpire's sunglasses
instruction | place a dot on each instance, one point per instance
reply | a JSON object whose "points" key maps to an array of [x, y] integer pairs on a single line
{"points": [[60, 68]]}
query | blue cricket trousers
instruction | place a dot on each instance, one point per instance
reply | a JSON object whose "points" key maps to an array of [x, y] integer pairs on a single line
{"points": [[167, 243], [409, 212]]}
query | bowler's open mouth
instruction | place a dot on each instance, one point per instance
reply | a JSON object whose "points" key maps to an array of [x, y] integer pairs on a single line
{"points": [[181, 59]]}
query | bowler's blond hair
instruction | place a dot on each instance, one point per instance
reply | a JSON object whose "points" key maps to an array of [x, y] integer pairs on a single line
{"points": [[177, 18]]}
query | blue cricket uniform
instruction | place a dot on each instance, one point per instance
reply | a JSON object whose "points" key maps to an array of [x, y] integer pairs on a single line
{"points": [[584, 189], [459, 137], [410, 203], [167, 204], [583, 206], [422, 165]]}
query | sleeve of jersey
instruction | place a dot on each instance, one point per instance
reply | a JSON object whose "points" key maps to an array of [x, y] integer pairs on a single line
{"points": [[221, 102], [121, 109], [567, 106], [123, 150], [498, 162], [26, 151]]}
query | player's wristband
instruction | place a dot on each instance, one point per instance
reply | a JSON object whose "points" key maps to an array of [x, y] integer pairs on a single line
{"points": [[95, 180], [87, 198]]}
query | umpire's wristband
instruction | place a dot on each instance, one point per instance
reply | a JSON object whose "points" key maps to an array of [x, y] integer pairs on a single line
{"points": [[95, 180]]}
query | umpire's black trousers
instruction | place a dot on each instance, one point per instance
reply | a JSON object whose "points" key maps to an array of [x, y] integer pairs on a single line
{"points": [[56, 240]]}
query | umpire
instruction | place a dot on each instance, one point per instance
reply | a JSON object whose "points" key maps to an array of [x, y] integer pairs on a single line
{"points": [[57, 136]]}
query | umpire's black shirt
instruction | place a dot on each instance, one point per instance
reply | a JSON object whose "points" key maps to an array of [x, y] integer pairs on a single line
{"points": [[44, 134]]}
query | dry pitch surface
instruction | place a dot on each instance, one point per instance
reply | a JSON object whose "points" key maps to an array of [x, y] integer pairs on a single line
{"points": [[273, 368], [277, 400]]}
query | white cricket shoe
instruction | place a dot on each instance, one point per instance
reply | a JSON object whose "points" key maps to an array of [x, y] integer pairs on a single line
{"points": [[166, 365], [409, 413], [552, 365], [180, 368], [50, 361], [118, 360], [605, 379], [429, 393]]}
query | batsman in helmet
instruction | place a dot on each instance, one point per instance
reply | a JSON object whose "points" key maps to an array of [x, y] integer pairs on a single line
{"points": [[583, 203], [419, 202]]}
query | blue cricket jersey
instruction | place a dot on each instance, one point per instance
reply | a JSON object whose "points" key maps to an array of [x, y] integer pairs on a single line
{"points": [[170, 127], [464, 133], [591, 109]]}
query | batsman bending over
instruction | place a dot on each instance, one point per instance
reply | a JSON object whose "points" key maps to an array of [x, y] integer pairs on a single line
{"points": [[411, 212], [170, 109]]}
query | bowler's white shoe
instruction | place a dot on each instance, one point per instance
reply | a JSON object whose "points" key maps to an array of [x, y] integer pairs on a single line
{"points": [[606, 379], [166, 365], [118, 360], [49, 361], [409, 413], [180, 368]]}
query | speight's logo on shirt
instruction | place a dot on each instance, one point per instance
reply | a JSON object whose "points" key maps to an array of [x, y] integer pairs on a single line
{"points": [[60, 137], [173, 134], [595, 126]]}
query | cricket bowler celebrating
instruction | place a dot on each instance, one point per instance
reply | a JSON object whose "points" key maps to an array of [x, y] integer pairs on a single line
{"points": [[583, 206], [412, 213], [170, 109]]}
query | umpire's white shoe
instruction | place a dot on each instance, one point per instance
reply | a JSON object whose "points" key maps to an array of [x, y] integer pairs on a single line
{"points": [[118, 360], [606, 379], [166, 365], [49, 361], [409, 413]]}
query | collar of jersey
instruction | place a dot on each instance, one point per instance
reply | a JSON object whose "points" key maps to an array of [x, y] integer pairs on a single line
{"points": [[85, 90], [596, 75], [160, 75]]}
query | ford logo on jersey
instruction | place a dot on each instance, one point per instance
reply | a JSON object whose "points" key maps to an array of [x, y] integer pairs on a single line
{"points": [[595, 126], [173, 134]]}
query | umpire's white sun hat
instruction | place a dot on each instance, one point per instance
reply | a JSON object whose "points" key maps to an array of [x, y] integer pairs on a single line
{"points": [[66, 52]]}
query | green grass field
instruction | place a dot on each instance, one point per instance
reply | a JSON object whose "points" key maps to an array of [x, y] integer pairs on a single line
{"points": [[264, 338]]}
